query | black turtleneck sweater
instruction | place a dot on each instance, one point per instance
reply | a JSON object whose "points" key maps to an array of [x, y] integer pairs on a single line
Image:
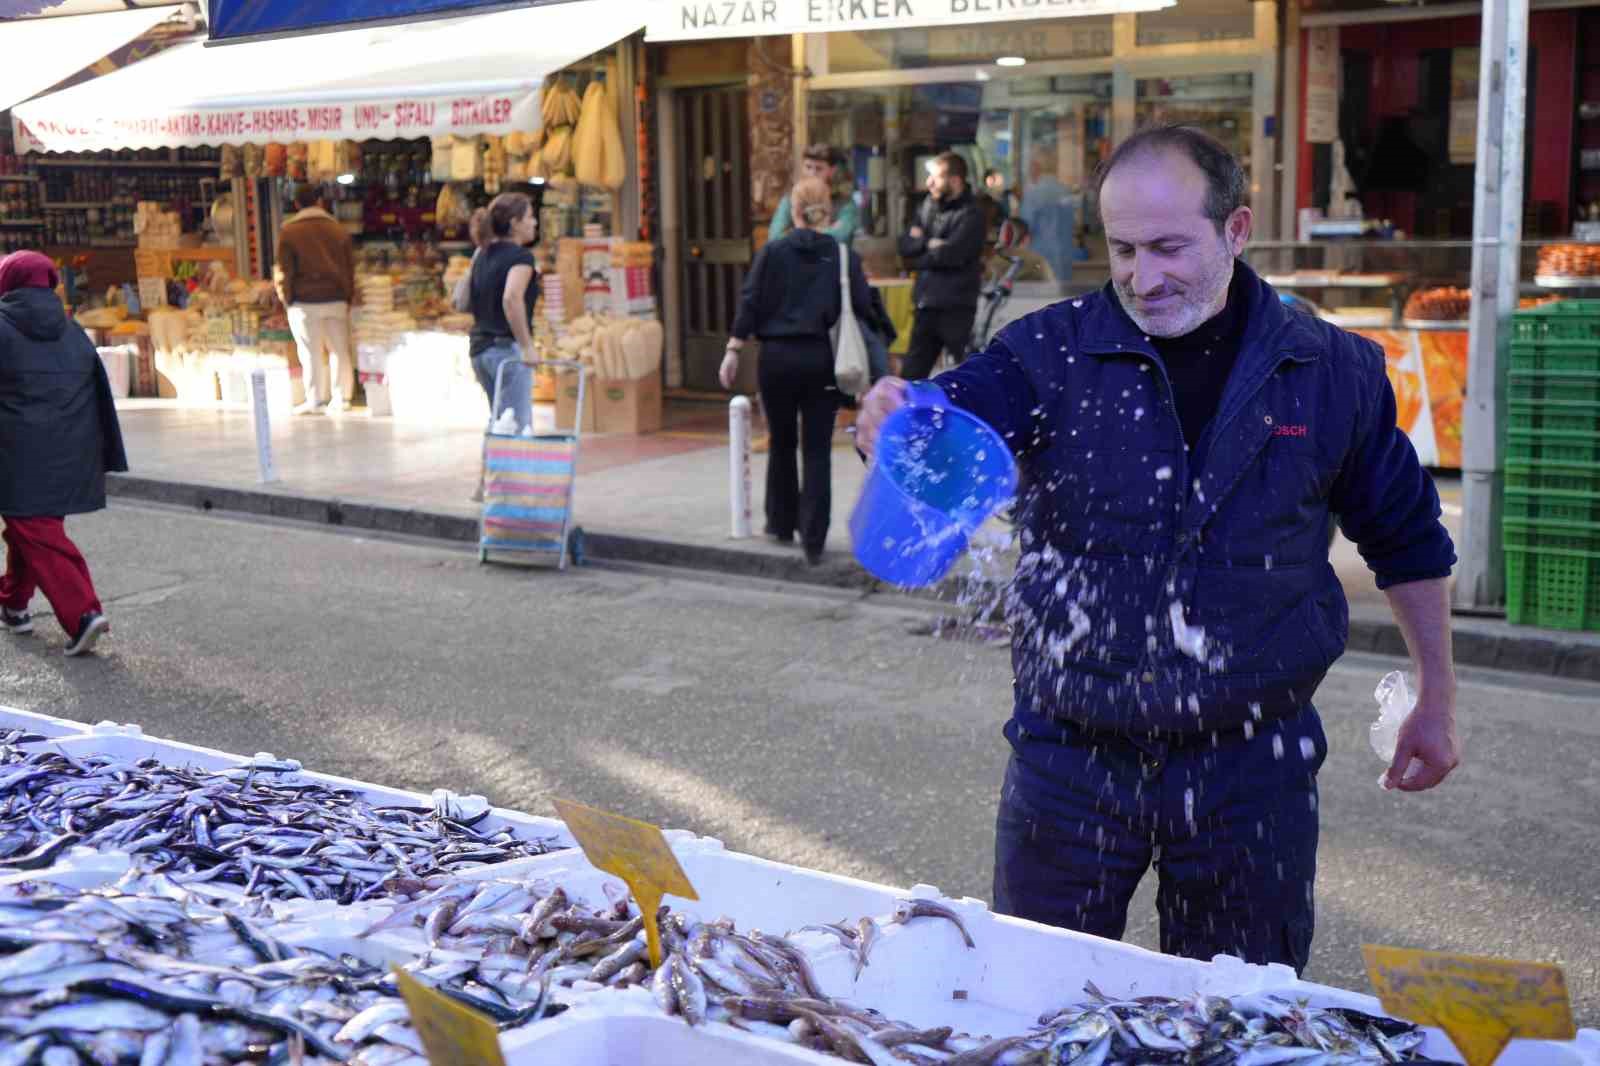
{"points": [[1198, 364]]}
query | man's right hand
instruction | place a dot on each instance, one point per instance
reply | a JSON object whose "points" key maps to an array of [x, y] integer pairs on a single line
{"points": [[887, 396]]}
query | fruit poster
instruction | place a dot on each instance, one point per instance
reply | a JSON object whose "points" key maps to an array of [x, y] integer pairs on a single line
{"points": [[1428, 371]]}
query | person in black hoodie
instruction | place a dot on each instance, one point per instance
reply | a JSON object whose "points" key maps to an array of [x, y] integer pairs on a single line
{"points": [[945, 248], [791, 300], [58, 437]]}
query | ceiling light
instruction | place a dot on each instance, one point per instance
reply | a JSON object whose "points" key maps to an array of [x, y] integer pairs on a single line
{"points": [[347, 179], [1010, 61]]}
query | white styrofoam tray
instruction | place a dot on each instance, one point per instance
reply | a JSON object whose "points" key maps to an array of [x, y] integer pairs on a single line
{"points": [[131, 743], [921, 973]]}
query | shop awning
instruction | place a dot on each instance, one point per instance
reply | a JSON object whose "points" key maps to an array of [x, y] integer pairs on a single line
{"points": [[41, 52], [467, 75], [234, 19]]}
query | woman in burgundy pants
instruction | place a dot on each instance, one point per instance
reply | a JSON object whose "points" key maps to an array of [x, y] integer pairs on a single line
{"points": [[58, 437]]}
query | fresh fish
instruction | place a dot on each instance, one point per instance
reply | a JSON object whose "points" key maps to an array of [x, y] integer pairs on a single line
{"points": [[869, 937], [908, 909]]}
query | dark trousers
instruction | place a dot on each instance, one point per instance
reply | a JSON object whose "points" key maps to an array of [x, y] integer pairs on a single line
{"points": [[797, 394], [40, 557], [934, 330], [1230, 826]]}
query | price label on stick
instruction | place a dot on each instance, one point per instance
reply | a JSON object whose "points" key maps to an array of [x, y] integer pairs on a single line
{"points": [[634, 851], [1482, 1004], [453, 1034]]}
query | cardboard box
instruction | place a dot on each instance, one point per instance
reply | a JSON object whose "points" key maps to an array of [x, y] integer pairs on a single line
{"points": [[628, 406], [567, 403]]}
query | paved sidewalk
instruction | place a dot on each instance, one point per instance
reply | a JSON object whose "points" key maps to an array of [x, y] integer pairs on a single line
{"points": [[659, 498]]}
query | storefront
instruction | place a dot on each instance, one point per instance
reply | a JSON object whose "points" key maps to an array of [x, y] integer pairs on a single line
{"points": [[1033, 104], [1378, 229], [408, 128]]}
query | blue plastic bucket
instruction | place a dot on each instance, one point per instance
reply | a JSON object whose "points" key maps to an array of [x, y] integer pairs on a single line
{"points": [[938, 474]]}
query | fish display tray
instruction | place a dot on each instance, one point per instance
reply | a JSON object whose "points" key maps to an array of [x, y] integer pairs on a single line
{"points": [[921, 972]]}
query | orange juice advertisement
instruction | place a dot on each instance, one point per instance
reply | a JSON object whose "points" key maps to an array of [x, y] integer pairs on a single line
{"points": [[1428, 372]]}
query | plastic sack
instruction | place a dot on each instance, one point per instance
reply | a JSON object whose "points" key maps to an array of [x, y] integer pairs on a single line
{"points": [[1395, 702]]}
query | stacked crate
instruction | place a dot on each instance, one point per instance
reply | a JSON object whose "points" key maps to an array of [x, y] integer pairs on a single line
{"points": [[1552, 506]]}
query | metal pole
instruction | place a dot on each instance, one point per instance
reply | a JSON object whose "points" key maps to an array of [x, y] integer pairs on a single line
{"points": [[739, 464], [1496, 273], [258, 403]]}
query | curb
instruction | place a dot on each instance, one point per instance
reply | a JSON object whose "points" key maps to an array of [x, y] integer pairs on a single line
{"points": [[1478, 642]]}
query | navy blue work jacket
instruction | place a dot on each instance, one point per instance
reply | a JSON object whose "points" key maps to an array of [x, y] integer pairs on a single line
{"points": [[1154, 598]]}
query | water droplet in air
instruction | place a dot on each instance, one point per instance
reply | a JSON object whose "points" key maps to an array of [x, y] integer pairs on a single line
{"points": [[1164, 473], [1268, 561], [1249, 730], [1277, 746], [1308, 750]]}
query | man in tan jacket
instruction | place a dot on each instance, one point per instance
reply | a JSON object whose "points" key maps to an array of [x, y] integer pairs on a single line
{"points": [[315, 275]]}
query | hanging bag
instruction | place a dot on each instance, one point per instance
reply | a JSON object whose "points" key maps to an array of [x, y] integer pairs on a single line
{"points": [[851, 371]]}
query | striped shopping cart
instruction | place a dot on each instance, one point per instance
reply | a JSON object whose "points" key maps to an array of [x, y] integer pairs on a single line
{"points": [[527, 489]]}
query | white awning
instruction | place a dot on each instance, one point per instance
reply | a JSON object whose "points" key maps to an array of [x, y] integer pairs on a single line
{"points": [[40, 52], [468, 75]]}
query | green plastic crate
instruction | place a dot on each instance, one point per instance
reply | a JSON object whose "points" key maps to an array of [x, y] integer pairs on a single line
{"points": [[1556, 354], [1542, 446], [1560, 477], [1552, 505], [1577, 320], [1566, 386], [1552, 534], [1554, 415], [1555, 589]]}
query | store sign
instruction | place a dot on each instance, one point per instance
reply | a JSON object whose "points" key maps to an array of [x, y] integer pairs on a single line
{"points": [[1322, 85], [39, 129], [1464, 64], [231, 20], [682, 20]]}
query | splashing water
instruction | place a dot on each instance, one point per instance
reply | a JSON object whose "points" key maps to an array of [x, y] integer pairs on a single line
{"points": [[1191, 640]]}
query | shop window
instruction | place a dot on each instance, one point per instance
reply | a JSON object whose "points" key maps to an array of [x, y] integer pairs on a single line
{"points": [[1198, 22], [1220, 104], [944, 46], [1036, 140]]}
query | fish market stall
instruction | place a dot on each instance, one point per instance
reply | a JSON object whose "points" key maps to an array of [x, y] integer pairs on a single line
{"points": [[166, 902]]}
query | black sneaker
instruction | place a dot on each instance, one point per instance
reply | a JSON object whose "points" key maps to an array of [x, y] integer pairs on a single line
{"points": [[18, 622], [813, 556], [91, 627]]}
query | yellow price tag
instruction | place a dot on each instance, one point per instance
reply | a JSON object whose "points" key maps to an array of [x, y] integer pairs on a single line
{"points": [[1482, 1004], [454, 1035], [634, 851]]}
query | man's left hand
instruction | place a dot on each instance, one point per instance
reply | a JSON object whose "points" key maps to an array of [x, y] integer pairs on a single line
{"points": [[1429, 737]]}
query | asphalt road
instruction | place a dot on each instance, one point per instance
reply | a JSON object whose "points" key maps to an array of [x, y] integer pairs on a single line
{"points": [[801, 724]]}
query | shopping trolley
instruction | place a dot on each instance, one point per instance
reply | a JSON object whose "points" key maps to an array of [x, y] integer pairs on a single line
{"points": [[527, 483]]}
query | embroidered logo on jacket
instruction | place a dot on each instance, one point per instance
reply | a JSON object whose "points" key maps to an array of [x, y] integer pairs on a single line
{"points": [[1289, 431]]}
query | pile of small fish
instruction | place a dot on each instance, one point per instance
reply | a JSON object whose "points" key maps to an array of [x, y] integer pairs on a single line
{"points": [[1201, 1030], [192, 958], [260, 826], [146, 971]]}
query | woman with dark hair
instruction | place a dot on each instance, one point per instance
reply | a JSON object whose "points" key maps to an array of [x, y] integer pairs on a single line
{"points": [[58, 437], [503, 289], [791, 300]]}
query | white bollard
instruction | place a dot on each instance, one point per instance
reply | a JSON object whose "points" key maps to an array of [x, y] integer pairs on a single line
{"points": [[258, 405], [739, 464]]}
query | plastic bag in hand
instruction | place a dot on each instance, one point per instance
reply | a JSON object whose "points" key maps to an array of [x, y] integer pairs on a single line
{"points": [[1395, 701]]}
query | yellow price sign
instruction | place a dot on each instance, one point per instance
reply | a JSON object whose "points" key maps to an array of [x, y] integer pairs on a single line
{"points": [[1482, 1004], [453, 1034], [634, 851]]}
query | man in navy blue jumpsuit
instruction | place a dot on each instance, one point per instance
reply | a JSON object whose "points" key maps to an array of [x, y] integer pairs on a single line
{"points": [[1184, 440]]}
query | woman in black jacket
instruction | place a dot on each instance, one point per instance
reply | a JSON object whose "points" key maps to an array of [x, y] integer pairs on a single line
{"points": [[58, 437], [791, 301]]}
